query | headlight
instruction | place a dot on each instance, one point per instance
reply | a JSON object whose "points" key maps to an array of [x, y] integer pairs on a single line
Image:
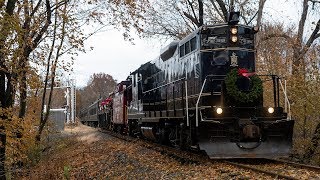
{"points": [[234, 30], [219, 110], [270, 110], [234, 39]]}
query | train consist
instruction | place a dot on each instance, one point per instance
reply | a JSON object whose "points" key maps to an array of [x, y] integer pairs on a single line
{"points": [[202, 93]]}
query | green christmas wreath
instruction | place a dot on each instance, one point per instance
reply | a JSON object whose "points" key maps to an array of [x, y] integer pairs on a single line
{"points": [[255, 90]]}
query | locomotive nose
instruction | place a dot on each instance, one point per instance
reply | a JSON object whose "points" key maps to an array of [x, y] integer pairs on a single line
{"points": [[251, 132]]}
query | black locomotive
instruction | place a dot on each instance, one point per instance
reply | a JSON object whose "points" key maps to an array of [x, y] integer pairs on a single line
{"points": [[202, 93]]}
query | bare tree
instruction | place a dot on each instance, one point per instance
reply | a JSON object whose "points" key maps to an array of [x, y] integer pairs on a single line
{"points": [[302, 46], [184, 16]]}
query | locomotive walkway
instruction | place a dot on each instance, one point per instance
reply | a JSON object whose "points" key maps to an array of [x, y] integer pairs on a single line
{"points": [[86, 153]]}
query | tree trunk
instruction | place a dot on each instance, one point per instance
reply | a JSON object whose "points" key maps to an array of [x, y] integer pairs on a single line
{"points": [[223, 9], [305, 122], [7, 87], [3, 140], [200, 13], [260, 10], [23, 91]]}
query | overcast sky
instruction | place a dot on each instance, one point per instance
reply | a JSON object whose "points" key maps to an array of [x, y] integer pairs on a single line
{"points": [[112, 55]]}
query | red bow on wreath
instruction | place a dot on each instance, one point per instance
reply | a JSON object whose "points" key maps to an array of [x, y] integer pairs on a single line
{"points": [[245, 73]]}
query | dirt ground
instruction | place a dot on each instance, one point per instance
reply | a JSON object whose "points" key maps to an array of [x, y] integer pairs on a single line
{"points": [[86, 153]]}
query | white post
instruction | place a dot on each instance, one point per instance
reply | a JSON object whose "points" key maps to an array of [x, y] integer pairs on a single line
{"points": [[287, 100], [68, 105], [72, 109]]}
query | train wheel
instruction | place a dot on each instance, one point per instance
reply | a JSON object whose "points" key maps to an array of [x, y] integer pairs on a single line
{"points": [[174, 137], [131, 129], [185, 138], [114, 128], [119, 129], [162, 135]]}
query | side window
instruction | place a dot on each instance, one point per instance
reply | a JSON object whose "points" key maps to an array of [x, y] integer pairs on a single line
{"points": [[182, 51], [193, 44], [187, 46]]}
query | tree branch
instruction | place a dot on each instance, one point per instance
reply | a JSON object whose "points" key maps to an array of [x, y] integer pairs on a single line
{"points": [[35, 8], [11, 4], [314, 35], [217, 10], [184, 19], [223, 9], [194, 14], [259, 12], [302, 20], [311, 39], [192, 19], [252, 18], [45, 27]]}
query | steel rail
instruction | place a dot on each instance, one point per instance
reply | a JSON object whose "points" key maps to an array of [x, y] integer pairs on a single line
{"points": [[270, 173], [295, 164]]}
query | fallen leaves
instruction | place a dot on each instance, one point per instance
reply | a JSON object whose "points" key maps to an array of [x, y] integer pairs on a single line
{"points": [[105, 157]]}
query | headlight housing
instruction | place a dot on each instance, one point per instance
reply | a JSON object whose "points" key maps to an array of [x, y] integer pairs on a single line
{"points": [[234, 39], [270, 110], [234, 30], [219, 110]]}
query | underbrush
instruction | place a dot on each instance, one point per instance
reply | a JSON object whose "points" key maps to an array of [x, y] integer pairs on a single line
{"points": [[40, 157], [300, 146]]}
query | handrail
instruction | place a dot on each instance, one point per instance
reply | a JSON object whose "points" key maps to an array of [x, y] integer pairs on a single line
{"points": [[163, 85], [187, 105], [287, 102], [197, 104], [198, 100]]}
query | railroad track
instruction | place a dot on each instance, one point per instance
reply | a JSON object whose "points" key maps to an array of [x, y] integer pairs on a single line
{"points": [[272, 167], [177, 154], [278, 168]]}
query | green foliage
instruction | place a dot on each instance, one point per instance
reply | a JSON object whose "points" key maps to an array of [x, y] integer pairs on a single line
{"points": [[66, 172], [232, 90], [34, 154]]}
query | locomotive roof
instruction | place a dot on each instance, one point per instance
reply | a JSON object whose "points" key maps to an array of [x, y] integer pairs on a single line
{"points": [[182, 41]]}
